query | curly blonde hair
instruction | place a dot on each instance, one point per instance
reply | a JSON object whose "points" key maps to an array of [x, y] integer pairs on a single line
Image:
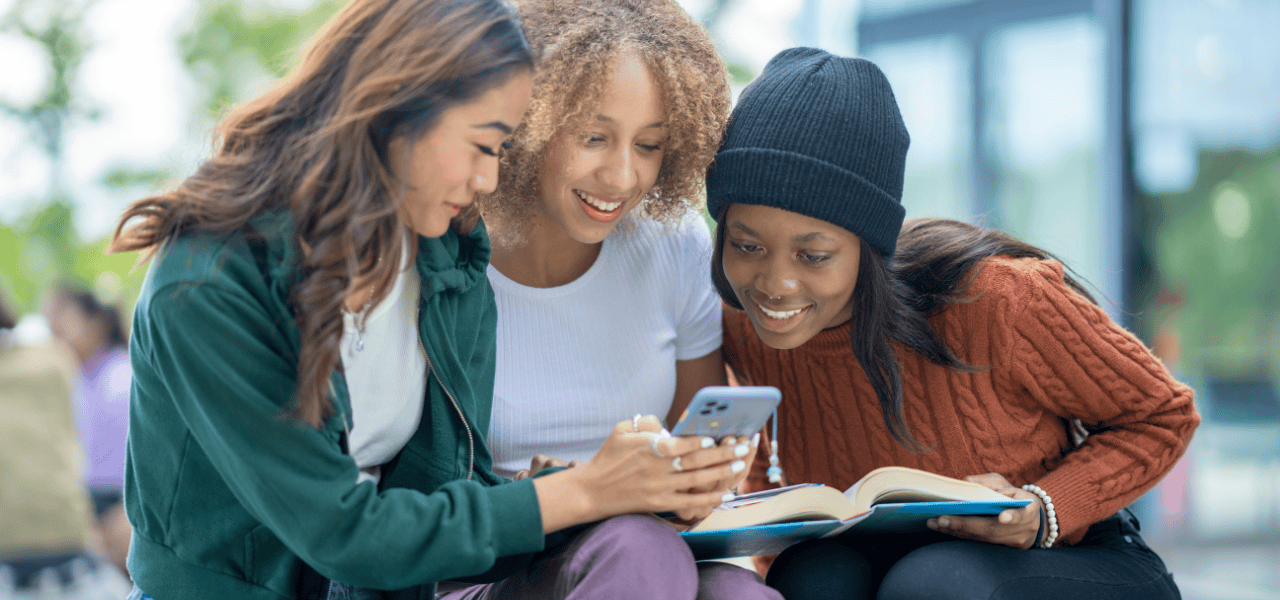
{"points": [[576, 42]]}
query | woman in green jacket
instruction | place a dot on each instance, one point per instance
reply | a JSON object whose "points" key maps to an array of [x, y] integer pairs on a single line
{"points": [[313, 348]]}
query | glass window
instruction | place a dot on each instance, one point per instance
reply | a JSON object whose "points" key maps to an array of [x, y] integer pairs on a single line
{"points": [[1207, 156], [931, 81], [1044, 135], [889, 8]]}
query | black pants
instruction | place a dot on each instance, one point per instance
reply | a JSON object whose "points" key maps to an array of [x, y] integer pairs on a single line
{"points": [[1111, 562]]}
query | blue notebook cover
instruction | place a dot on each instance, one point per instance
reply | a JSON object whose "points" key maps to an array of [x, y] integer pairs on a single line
{"points": [[881, 519]]}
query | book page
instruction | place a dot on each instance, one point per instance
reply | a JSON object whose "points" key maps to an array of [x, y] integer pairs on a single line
{"points": [[903, 484]]}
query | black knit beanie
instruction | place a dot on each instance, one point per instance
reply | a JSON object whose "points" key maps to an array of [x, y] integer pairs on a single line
{"points": [[818, 135]]}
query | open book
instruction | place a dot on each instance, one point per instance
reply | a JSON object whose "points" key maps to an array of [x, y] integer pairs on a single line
{"points": [[886, 500]]}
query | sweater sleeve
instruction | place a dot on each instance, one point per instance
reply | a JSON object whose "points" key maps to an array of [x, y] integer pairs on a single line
{"points": [[1069, 357], [219, 352]]}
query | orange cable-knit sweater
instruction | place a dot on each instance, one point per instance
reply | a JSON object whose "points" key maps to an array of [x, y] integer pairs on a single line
{"points": [[1053, 357]]}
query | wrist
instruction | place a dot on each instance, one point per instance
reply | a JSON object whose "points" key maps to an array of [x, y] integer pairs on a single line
{"points": [[1043, 523], [1049, 515], [564, 500]]}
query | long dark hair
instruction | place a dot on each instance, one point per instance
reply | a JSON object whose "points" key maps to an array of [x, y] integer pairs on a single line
{"points": [[317, 145], [935, 263]]}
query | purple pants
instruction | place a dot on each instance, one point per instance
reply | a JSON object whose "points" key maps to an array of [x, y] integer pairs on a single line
{"points": [[631, 556]]}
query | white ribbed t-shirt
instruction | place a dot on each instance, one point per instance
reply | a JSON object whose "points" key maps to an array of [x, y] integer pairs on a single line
{"points": [[574, 360], [386, 379]]}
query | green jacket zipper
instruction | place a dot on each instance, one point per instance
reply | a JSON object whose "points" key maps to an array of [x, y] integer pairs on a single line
{"points": [[471, 442]]}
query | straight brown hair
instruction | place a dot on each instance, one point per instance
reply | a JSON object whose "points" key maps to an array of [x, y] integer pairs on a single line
{"points": [[317, 145]]}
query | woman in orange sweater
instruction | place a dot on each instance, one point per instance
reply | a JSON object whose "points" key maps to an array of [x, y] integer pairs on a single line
{"points": [[938, 346]]}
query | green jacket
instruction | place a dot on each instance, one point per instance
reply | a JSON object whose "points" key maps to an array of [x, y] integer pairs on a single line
{"points": [[228, 497]]}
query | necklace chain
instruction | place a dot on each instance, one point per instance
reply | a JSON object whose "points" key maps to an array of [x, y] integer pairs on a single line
{"points": [[359, 319]]}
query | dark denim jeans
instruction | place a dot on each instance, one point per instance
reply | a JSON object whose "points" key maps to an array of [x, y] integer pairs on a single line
{"points": [[1112, 562]]}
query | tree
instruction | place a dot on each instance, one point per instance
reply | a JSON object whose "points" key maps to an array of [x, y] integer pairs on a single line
{"points": [[45, 246], [236, 47]]}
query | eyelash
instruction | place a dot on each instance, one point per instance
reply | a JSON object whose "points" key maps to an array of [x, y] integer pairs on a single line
{"points": [[595, 139], [505, 145], [809, 259]]}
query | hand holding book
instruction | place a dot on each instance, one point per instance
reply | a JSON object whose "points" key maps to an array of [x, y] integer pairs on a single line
{"points": [[1014, 527], [888, 500]]}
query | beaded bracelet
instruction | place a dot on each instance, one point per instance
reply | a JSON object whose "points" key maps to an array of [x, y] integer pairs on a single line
{"points": [[1052, 535]]}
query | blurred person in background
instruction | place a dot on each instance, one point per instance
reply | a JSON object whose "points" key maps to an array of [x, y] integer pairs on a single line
{"points": [[46, 528], [95, 333]]}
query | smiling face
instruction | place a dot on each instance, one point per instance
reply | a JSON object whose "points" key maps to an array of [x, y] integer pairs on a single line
{"points": [[794, 275], [458, 157], [595, 174]]}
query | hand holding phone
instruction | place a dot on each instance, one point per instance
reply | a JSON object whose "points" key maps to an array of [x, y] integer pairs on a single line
{"points": [[719, 411]]}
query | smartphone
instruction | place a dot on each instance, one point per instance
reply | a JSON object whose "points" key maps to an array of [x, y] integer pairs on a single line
{"points": [[719, 411]]}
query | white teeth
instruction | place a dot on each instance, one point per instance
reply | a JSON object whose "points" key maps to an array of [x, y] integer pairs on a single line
{"points": [[604, 206], [773, 314]]}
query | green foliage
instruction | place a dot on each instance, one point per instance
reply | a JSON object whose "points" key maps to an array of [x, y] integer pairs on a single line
{"points": [[43, 247], [128, 177], [1219, 244], [58, 28], [234, 48], [741, 75], [31, 264]]}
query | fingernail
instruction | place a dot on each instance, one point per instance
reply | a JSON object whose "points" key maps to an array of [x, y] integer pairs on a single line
{"points": [[944, 522], [932, 523], [708, 442], [1005, 517], [737, 466], [727, 497], [755, 440], [740, 450]]}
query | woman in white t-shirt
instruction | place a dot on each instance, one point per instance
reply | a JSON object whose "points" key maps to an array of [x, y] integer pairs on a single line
{"points": [[600, 256]]}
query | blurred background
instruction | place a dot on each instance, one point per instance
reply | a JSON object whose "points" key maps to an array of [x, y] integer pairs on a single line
{"points": [[1137, 139]]}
